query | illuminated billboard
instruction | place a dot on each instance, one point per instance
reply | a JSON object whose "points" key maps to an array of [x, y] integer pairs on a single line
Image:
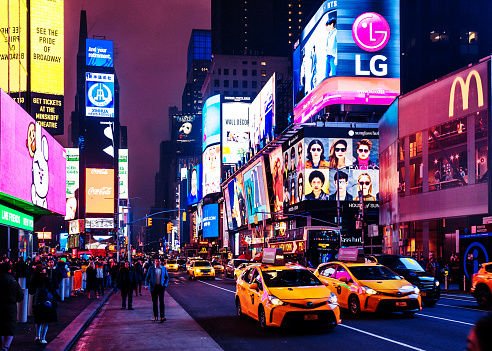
{"points": [[292, 168], [185, 163], [235, 203], [276, 170], [72, 182], [186, 128], [211, 170], [99, 94], [47, 63], [211, 221], [347, 64], [211, 122], [235, 129], [123, 173], [32, 163], [99, 143], [99, 185], [262, 113], [255, 188], [194, 185], [99, 53], [16, 219]]}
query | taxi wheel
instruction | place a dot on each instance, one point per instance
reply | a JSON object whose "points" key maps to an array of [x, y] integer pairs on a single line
{"points": [[262, 318], [354, 305], [239, 309], [189, 276], [483, 297]]}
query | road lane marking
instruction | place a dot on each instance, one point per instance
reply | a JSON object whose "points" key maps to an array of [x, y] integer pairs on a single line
{"points": [[464, 308], [444, 319], [381, 337], [218, 287], [457, 297]]}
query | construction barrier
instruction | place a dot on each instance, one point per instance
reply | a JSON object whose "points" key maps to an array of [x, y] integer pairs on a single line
{"points": [[77, 281]]}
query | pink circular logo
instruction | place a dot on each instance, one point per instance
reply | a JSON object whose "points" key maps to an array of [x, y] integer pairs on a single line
{"points": [[371, 32]]}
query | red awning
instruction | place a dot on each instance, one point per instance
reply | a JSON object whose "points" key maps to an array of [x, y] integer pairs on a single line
{"points": [[245, 257]]}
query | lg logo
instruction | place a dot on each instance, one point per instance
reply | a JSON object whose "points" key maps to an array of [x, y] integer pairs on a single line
{"points": [[371, 32]]}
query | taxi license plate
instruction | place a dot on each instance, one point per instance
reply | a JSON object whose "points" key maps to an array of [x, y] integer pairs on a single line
{"points": [[401, 304], [311, 317], [423, 294]]}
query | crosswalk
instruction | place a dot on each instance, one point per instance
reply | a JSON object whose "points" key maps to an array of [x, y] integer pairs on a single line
{"points": [[182, 280]]}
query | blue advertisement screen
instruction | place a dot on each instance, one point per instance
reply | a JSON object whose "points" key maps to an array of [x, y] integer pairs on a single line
{"points": [[256, 192], [211, 121], [195, 185], [211, 221], [99, 53], [99, 95]]}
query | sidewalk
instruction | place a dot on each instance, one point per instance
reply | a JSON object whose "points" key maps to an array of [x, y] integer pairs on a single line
{"points": [[117, 329]]}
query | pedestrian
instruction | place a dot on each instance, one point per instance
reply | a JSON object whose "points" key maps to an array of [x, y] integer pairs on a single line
{"points": [[91, 279], [480, 338], [156, 281], [10, 294], [19, 269], [114, 272], [44, 303], [100, 277], [54, 274], [127, 282], [139, 275]]}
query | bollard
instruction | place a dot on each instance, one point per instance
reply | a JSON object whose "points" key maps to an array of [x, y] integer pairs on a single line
{"points": [[446, 280], [30, 313], [22, 307], [464, 283], [70, 286], [66, 283], [22, 282], [62, 290], [84, 282]]}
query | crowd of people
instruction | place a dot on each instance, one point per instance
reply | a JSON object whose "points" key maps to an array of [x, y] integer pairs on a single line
{"points": [[44, 275]]}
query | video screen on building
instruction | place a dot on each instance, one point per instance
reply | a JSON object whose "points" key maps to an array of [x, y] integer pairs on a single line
{"points": [[185, 163], [32, 162], [349, 64], [211, 221], [211, 170], [194, 185], [235, 129], [211, 122], [99, 184], [262, 113], [255, 189], [277, 171], [235, 202], [99, 143], [123, 173], [99, 94], [292, 168], [99, 53], [186, 128], [72, 182]]}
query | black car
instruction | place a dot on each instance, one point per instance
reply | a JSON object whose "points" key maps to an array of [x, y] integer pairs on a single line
{"points": [[181, 264], [412, 271]]}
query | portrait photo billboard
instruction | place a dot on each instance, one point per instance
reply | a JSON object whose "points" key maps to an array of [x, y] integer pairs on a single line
{"points": [[255, 189], [235, 203], [194, 185], [262, 113]]}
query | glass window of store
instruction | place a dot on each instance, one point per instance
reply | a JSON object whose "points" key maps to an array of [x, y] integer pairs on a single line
{"points": [[481, 148], [401, 167]]}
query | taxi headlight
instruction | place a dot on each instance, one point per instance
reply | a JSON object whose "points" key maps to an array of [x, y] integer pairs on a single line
{"points": [[416, 290], [369, 290], [198, 270], [276, 301], [437, 283], [333, 299]]}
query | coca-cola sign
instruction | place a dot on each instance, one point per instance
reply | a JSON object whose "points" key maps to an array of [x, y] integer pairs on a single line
{"points": [[100, 195]]}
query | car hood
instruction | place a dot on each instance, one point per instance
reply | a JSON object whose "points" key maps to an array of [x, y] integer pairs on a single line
{"points": [[301, 292], [414, 276], [388, 285]]}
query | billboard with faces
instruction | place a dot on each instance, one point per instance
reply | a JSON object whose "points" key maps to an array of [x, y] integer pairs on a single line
{"points": [[195, 185], [255, 189], [262, 113], [293, 174], [235, 203], [276, 169]]}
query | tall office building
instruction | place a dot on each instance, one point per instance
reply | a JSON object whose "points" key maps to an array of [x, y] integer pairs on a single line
{"points": [[259, 27]]}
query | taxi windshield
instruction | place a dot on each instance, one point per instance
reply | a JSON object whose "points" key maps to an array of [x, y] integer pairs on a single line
{"points": [[290, 277], [171, 261], [202, 264], [401, 263], [374, 273]]}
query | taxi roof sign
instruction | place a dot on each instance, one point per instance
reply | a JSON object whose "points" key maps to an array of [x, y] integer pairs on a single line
{"points": [[351, 254], [273, 256]]}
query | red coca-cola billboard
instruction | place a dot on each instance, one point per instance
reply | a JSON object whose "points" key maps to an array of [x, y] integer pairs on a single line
{"points": [[99, 185]]}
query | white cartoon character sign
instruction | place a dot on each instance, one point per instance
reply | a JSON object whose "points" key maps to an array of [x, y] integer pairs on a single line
{"points": [[38, 150]]}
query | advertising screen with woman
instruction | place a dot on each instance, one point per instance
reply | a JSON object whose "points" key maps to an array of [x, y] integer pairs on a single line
{"points": [[195, 185], [276, 170], [255, 189]]}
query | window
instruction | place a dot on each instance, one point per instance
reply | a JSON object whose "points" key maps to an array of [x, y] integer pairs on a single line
{"points": [[216, 83], [219, 70], [226, 92], [226, 83], [253, 63], [235, 84], [416, 144], [226, 71], [328, 271], [263, 73], [254, 84], [233, 71], [245, 84], [245, 72], [245, 62], [254, 73], [439, 36], [263, 63], [469, 43], [235, 93]]}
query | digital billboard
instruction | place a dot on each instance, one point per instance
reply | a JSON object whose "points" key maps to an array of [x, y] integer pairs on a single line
{"points": [[185, 163], [32, 163], [99, 142], [72, 182], [99, 94], [211, 170], [211, 221], [16, 219], [255, 188], [277, 171], [348, 53], [262, 113], [194, 185], [123, 173], [235, 129], [292, 168], [47, 63], [99, 53], [211, 122], [186, 128], [235, 203], [99, 185]]}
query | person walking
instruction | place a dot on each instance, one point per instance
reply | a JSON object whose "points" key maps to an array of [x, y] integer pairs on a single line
{"points": [[156, 281], [91, 279], [100, 277], [114, 272], [139, 275], [44, 303], [54, 274], [127, 282], [10, 294]]}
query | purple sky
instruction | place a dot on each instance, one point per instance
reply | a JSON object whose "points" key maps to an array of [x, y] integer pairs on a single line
{"points": [[151, 41]]}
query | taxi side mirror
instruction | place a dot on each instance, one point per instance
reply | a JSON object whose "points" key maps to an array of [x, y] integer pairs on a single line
{"points": [[343, 279], [253, 286]]}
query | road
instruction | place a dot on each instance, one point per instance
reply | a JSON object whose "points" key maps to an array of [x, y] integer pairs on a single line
{"points": [[211, 304]]}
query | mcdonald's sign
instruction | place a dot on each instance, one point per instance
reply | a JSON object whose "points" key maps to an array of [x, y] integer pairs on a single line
{"points": [[465, 90]]}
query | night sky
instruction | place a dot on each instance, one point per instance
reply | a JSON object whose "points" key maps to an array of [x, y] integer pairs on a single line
{"points": [[150, 43]]}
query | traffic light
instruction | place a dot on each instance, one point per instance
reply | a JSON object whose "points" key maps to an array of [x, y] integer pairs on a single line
{"points": [[169, 227], [149, 222]]}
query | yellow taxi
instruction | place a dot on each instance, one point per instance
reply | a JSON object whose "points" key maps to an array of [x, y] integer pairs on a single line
{"points": [[278, 295], [369, 287], [238, 270], [218, 267], [482, 285], [201, 269], [172, 265]]}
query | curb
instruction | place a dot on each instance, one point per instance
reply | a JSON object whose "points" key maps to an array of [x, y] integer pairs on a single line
{"points": [[67, 338]]}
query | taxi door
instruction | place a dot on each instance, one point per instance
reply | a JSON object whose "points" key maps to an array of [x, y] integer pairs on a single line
{"points": [[327, 276], [255, 294], [244, 292], [343, 289]]}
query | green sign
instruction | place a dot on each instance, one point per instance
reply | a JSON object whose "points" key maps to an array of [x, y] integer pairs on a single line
{"points": [[15, 218]]}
